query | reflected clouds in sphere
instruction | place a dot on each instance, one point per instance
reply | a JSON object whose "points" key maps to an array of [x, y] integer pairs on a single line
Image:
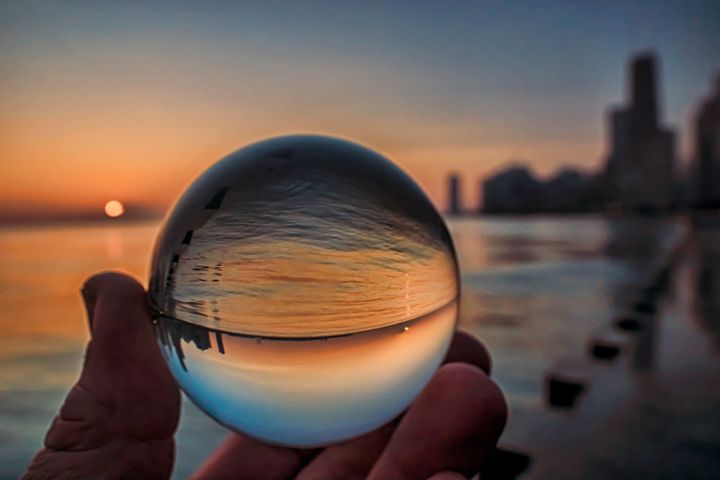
{"points": [[304, 290]]}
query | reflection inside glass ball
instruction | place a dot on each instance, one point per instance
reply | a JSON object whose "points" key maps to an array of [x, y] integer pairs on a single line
{"points": [[305, 290]]}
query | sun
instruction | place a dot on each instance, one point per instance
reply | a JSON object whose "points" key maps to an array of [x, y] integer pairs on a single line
{"points": [[114, 209]]}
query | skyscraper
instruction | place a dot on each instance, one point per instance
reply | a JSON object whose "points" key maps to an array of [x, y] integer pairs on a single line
{"points": [[640, 166], [454, 195], [707, 148], [643, 99]]}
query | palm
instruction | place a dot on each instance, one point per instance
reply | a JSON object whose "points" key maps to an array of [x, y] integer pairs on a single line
{"points": [[118, 421]]}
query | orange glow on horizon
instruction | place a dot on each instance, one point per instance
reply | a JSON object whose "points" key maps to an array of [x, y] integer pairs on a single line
{"points": [[148, 154]]}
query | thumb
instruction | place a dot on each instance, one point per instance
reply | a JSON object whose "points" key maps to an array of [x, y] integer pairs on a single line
{"points": [[121, 415]]}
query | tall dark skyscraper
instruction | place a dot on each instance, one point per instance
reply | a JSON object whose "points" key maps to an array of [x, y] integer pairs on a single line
{"points": [[454, 194], [640, 166], [643, 106], [707, 150]]}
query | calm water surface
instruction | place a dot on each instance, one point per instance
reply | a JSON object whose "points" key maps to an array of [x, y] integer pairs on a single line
{"points": [[533, 289]]}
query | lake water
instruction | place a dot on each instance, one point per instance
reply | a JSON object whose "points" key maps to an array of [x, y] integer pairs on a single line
{"points": [[533, 290]]}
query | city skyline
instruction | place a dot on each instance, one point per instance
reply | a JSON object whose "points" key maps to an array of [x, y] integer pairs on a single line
{"points": [[133, 102], [642, 171]]}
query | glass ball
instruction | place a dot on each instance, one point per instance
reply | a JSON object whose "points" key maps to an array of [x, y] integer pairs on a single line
{"points": [[304, 290]]}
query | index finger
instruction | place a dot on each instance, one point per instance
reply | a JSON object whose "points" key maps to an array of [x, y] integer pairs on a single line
{"points": [[452, 426]]}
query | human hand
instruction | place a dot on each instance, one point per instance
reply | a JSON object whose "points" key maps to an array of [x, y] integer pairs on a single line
{"points": [[119, 419]]}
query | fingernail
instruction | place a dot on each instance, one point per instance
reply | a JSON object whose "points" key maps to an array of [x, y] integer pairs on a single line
{"points": [[89, 301]]}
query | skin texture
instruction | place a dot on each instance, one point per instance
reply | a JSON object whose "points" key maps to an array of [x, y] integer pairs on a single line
{"points": [[119, 419]]}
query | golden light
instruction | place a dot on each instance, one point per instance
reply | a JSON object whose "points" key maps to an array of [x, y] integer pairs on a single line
{"points": [[114, 209]]}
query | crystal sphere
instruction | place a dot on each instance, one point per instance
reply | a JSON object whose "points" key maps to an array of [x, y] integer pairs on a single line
{"points": [[304, 290]]}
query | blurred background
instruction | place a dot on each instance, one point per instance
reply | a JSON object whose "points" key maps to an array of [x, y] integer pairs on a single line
{"points": [[575, 147]]}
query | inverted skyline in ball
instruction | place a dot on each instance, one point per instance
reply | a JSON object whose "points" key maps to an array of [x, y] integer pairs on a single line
{"points": [[305, 290]]}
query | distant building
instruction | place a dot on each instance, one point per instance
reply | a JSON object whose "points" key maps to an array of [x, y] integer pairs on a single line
{"points": [[640, 165], [454, 194], [707, 148], [565, 192], [639, 174], [515, 190]]}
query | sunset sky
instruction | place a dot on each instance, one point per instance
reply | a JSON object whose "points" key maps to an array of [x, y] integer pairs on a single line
{"points": [[132, 100]]}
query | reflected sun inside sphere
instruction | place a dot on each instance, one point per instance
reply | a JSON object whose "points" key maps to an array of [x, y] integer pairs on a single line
{"points": [[114, 209]]}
